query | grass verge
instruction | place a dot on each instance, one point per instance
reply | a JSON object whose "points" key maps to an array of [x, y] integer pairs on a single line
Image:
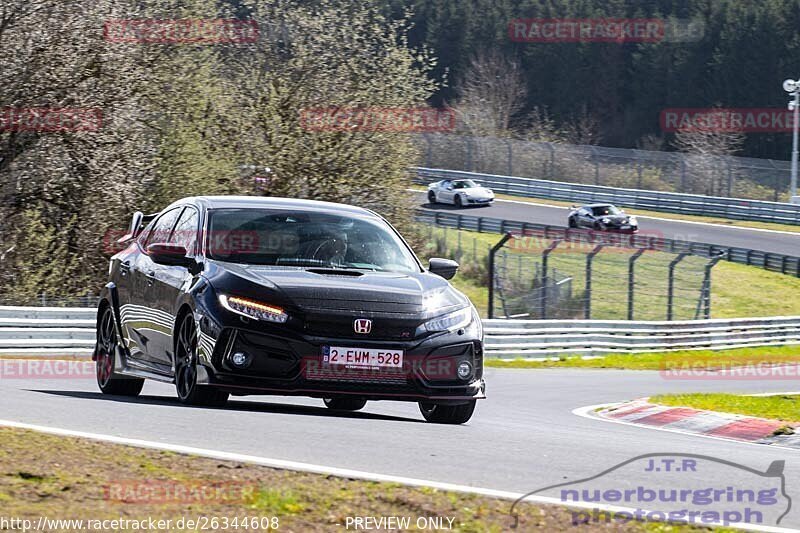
{"points": [[783, 407], [668, 361], [70, 478]]}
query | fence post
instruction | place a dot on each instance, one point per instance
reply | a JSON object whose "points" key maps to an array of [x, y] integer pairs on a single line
{"points": [[671, 284], [706, 292], [510, 158], [429, 151], [730, 180], [632, 279], [638, 173], [587, 313], [492, 252], [683, 175], [543, 301]]}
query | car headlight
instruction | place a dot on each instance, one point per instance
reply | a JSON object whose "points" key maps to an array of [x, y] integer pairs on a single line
{"points": [[606, 221], [451, 321], [633, 221], [253, 309]]}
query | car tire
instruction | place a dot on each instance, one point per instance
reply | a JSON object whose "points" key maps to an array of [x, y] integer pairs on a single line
{"points": [[457, 200], [572, 223], [597, 226], [447, 414], [431, 197], [189, 392], [345, 404], [107, 344]]}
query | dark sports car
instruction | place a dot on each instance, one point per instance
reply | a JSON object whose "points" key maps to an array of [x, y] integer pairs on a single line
{"points": [[602, 217], [250, 295]]}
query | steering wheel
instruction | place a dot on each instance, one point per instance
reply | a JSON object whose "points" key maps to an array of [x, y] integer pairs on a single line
{"points": [[330, 249]]}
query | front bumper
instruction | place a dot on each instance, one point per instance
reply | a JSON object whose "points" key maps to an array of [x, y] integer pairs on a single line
{"points": [[287, 364], [623, 228], [479, 201]]}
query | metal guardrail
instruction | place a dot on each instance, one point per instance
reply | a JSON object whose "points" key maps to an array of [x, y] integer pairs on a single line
{"points": [[54, 332], [47, 331], [532, 338], [668, 202], [786, 264]]}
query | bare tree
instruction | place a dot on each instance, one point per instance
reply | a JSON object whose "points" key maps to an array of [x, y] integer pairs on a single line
{"points": [[491, 94], [706, 151]]}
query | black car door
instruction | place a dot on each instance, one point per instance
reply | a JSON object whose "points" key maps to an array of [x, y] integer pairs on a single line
{"points": [[144, 321], [170, 281]]}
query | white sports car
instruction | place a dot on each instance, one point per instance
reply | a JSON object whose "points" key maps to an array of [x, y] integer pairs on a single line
{"points": [[459, 193]]}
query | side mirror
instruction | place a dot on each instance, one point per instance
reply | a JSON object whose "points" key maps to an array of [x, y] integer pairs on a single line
{"points": [[136, 223], [446, 268], [169, 254]]}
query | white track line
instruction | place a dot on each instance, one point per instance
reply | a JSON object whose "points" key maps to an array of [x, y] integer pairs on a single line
{"points": [[678, 220], [587, 412], [341, 472]]}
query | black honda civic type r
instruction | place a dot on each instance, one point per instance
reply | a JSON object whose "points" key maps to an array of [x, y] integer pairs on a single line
{"points": [[251, 295]]}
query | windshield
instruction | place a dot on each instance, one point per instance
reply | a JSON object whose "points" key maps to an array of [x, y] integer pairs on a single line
{"points": [[605, 210], [306, 239], [464, 184]]}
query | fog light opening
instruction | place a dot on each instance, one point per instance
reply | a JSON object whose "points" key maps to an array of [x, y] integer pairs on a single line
{"points": [[464, 369], [241, 360]]}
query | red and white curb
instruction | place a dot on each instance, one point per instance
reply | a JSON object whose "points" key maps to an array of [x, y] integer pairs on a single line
{"points": [[707, 423]]}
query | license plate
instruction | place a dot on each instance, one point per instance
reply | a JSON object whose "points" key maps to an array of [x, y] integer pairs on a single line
{"points": [[625, 226], [362, 357]]}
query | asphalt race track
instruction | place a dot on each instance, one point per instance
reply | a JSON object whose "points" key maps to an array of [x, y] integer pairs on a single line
{"points": [[522, 438], [765, 240]]}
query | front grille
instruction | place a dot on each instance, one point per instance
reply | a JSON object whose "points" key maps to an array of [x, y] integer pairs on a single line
{"points": [[343, 329]]}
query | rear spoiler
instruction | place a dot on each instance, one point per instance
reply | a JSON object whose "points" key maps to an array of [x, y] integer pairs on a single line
{"points": [[138, 223]]}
